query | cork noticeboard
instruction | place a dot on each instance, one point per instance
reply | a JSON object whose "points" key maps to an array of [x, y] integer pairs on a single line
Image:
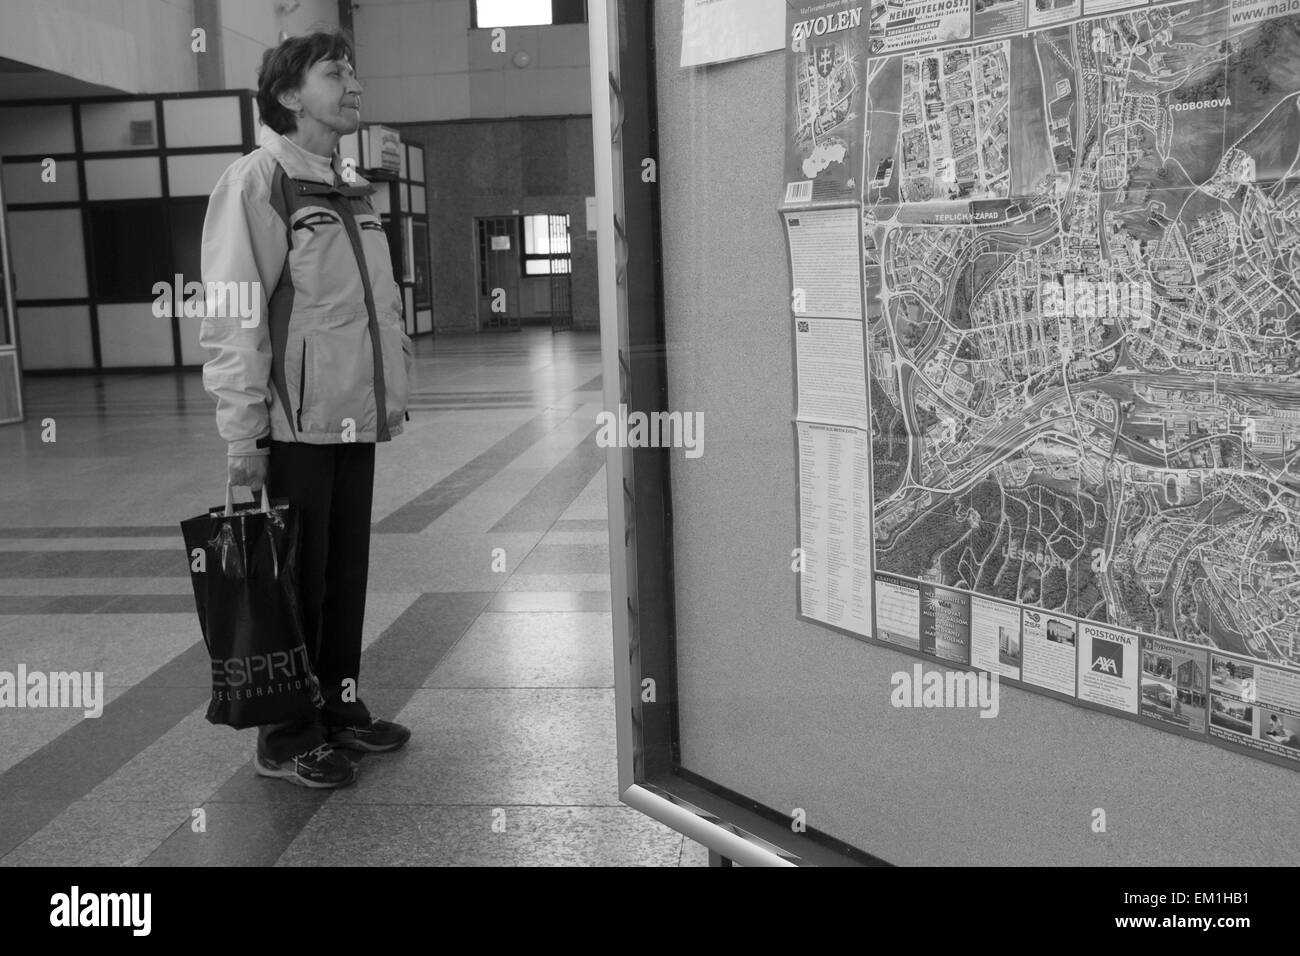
{"points": [[797, 716]]}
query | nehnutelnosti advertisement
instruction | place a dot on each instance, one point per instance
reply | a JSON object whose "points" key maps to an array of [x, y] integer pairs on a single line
{"points": [[906, 24]]}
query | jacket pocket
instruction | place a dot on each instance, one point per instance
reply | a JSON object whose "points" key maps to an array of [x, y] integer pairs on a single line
{"points": [[302, 380], [323, 263], [397, 384], [338, 383]]}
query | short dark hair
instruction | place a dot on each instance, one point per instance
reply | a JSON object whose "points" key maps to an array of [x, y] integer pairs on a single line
{"points": [[284, 68]]}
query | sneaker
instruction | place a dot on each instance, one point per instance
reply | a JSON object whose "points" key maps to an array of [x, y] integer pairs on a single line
{"points": [[323, 767], [377, 736]]}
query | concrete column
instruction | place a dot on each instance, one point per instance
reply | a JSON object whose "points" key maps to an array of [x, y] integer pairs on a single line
{"points": [[210, 66]]}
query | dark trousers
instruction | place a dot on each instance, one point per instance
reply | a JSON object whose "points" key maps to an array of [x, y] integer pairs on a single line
{"points": [[332, 486]]}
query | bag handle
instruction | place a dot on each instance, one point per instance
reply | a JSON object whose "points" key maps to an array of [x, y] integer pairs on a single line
{"points": [[230, 501]]}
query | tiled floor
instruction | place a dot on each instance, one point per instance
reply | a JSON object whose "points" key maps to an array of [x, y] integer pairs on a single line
{"points": [[505, 676]]}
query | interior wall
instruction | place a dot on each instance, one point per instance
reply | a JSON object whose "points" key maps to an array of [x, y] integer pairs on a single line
{"points": [[794, 715], [421, 61], [145, 46], [511, 167], [131, 46], [248, 29]]}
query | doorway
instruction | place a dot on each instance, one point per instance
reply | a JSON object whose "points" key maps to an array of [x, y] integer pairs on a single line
{"points": [[525, 272], [498, 274], [560, 251]]}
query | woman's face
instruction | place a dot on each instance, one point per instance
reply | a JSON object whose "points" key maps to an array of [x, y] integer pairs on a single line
{"points": [[329, 97]]}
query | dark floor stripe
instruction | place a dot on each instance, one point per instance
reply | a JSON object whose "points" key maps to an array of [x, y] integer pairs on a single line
{"points": [[415, 407], [41, 786], [43, 410], [252, 820], [541, 508], [154, 563], [173, 531], [492, 402], [100, 531], [592, 386], [150, 604], [487, 401], [97, 604], [465, 395], [54, 604], [416, 515], [489, 349]]}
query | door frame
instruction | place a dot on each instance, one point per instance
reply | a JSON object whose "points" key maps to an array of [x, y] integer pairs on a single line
{"points": [[10, 317]]}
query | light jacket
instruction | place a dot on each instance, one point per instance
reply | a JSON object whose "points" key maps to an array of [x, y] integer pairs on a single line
{"points": [[326, 359]]}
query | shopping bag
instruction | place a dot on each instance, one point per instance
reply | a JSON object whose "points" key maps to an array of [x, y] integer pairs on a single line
{"points": [[244, 568]]}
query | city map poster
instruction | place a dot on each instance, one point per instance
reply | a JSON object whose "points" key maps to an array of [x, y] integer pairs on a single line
{"points": [[1082, 255], [906, 24], [715, 31], [826, 101], [1255, 707]]}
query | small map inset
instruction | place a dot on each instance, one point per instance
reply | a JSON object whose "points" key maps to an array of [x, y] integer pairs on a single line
{"points": [[954, 124], [823, 155]]}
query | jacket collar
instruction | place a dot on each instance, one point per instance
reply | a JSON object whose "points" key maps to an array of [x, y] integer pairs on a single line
{"points": [[275, 144]]}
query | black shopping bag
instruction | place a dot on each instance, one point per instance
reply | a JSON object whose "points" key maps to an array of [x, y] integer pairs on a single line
{"points": [[244, 568]]}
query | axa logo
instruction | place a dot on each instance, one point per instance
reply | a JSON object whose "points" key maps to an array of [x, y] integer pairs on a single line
{"points": [[314, 219], [1108, 657]]}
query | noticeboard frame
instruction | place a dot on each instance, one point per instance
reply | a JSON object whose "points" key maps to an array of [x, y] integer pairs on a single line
{"points": [[634, 363]]}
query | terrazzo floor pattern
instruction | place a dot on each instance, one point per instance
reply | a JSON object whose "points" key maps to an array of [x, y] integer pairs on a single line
{"points": [[487, 632]]}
